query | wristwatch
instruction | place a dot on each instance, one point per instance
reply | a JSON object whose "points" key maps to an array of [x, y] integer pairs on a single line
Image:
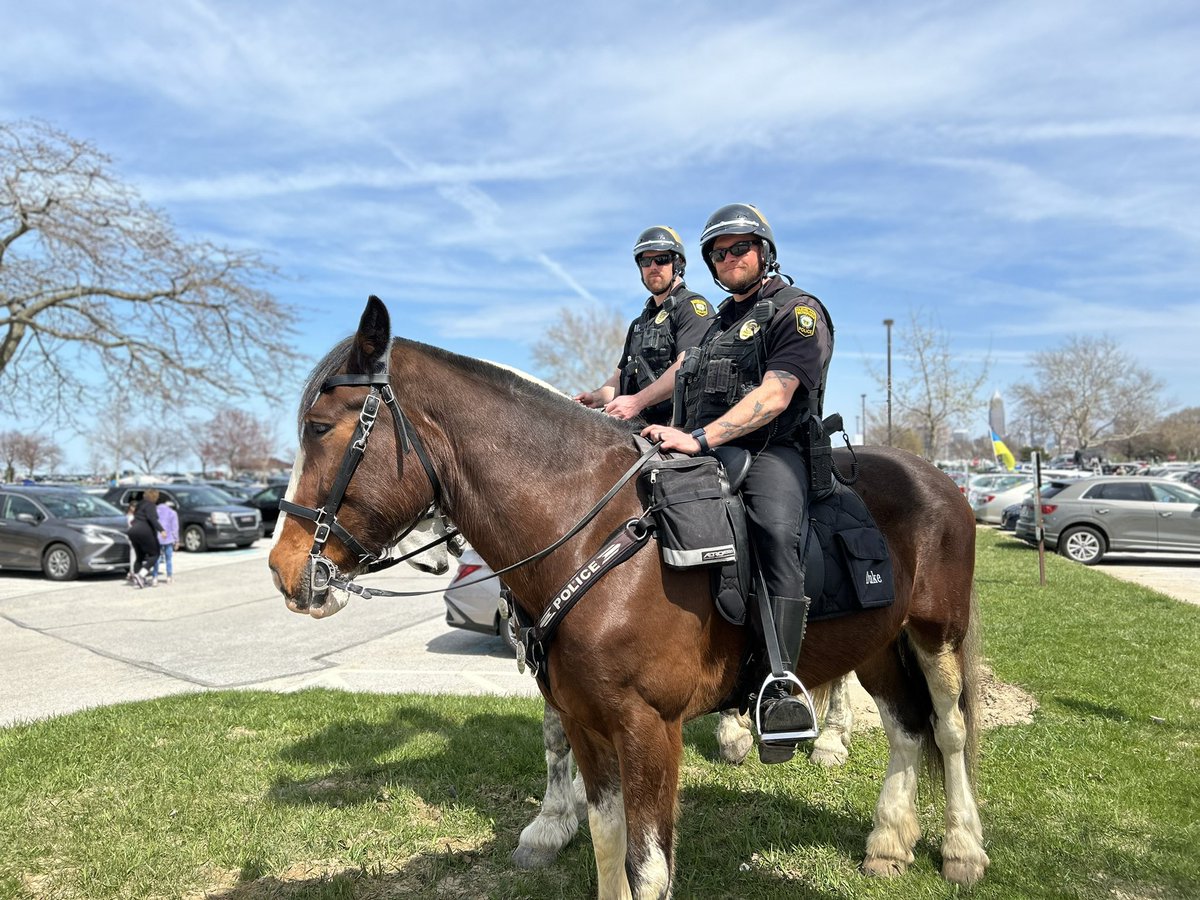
{"points": [[701, 439]]}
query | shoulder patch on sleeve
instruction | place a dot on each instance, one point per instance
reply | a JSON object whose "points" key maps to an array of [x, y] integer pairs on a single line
{"points": [[700, 306], [806, 321]]}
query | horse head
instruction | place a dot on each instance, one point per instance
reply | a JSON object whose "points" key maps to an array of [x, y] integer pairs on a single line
{"points": [[349, 500]]}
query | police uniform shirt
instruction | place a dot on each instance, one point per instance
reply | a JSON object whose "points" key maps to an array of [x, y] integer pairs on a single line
{"points": [[798, 338], [689, 321]]}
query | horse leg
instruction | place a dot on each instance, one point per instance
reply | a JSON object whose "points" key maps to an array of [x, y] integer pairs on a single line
{"points": [[832, 746], [735, 740], [963, 857], [601, 772], [632, 789], [558, 819], [905, 721]]}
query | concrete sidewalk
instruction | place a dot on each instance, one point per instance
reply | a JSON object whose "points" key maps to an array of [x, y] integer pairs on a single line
{"points": [[222, 624], [66, 647]]}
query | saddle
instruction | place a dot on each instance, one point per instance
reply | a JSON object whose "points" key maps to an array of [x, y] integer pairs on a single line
{"points": [[847, 564]]}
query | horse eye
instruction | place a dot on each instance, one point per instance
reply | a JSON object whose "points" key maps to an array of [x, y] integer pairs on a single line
{"points": [[318, 428]]}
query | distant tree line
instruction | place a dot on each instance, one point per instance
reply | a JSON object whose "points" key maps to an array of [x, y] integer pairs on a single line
{"points": [[232, 441]]}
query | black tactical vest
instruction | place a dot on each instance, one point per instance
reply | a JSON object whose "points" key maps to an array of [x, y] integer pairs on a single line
{"points": [[732, 363], [652, 348]]}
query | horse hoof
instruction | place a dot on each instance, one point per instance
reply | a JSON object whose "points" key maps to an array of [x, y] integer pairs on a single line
{"points": [[963, 871], [880, 867], [829, 757], [735, 752], [533, 858]]}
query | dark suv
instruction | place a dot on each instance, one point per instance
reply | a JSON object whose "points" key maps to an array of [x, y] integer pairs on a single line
{"points": [[62, 531], [206, 517]]}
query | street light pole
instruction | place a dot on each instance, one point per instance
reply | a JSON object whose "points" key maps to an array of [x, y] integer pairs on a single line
{"points": [[888, 324], [864, 419]]}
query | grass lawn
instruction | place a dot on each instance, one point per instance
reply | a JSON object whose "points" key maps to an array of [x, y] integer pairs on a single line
{"points": [[332, 795]]}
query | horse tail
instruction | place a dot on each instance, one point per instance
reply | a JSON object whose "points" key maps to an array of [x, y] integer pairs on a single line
{"points": [[920, 715], [820, 699], [968, 702]]}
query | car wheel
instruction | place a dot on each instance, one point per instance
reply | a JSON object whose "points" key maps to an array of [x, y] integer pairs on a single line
{"points": [[1082, 544], [194, 540], [503, 630], [58, 563]]}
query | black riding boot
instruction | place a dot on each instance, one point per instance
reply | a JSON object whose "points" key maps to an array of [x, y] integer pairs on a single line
{"points": [[785, 719]]}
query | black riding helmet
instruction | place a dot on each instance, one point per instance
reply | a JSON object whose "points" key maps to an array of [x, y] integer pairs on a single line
{"points": [[738, 218], [658, 238]]}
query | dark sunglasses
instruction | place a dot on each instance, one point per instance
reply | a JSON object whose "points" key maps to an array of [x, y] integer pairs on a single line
{"points": [[741, 248], [663, 259]]}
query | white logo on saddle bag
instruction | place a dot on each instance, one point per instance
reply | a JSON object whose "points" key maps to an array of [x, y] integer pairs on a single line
{"points": [[873, 578]]}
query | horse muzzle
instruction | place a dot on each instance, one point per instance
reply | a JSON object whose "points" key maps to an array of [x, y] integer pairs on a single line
{"points": [[314, 595]]}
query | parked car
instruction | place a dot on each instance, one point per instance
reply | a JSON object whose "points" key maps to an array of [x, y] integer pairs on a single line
{"points": [[266, 502], [238, 490], [62, 531], [475, 606], [1090, 517], [990, 503], [207, 518], [1008, 518]]}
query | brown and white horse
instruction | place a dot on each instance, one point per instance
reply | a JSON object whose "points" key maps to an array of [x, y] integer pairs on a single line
{"points": [[645, 650]]}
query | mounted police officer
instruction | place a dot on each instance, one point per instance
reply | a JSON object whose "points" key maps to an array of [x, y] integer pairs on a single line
{"points": [[673, 320], [757, 381]]}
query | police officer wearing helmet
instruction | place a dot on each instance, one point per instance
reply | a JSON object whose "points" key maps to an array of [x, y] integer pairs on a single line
{"points": [[755, 381], [672, 321]]}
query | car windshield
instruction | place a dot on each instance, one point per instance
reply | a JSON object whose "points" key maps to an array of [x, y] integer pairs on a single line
{"points": [[64, 505], [193, 497]]}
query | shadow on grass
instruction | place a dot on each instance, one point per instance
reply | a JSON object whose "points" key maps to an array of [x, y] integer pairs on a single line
{"points": [[493, 763]]}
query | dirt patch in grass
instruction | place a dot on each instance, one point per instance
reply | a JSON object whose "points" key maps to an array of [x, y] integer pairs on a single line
{"points": [[999, 703]]}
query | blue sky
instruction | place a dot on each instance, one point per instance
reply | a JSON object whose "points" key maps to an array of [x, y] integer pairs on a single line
{"points": [[1021, 172]]}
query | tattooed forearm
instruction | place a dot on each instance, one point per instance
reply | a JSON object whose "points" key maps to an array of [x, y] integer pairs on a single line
{"points": [[757, 408]]}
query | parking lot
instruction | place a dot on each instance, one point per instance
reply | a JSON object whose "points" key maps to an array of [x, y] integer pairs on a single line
{"points": [[222, 624], [69, 646]]}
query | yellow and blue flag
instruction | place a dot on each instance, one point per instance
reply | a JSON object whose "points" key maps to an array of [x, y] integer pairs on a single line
{"points": [[1003, 454]]}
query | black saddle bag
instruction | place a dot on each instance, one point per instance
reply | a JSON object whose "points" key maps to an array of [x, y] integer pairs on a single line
{"points": [[689, 498]]}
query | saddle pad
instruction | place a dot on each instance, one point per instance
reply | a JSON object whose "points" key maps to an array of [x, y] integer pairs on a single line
{"points": [[847, 564], [848, 567]]}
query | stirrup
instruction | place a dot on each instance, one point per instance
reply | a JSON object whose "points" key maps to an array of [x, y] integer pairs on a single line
{"points": [[786, 737]]}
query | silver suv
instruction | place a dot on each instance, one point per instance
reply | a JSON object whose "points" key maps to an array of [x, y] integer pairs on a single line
{"points": [[1087, 518]]}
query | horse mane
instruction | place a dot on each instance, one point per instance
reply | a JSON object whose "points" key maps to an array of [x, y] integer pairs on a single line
{"points": [[534, 396]]}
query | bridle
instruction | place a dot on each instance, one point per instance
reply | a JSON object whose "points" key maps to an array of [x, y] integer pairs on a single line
{"points": [[323, 572]]}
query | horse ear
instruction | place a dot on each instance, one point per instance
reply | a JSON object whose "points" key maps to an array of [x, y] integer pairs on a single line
{"points": [[373, 338]]}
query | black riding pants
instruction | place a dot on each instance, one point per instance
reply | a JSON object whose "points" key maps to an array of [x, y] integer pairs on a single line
{"points": [[776, 494]]}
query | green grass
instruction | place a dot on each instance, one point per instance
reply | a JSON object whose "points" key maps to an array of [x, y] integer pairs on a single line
{"points": [[334, 795]]}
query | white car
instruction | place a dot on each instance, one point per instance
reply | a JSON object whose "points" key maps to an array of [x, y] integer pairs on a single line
{"points": [[472, 603], [983, 486], [989, 505]]}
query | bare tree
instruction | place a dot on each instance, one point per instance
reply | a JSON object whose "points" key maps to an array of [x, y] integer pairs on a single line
{"points": [[240, 440], [95, 283], [36, 451], [939, 392], [581, 348], [1090, 392], [10, 449], [109, 440], [1181, 433], [150, 447]]}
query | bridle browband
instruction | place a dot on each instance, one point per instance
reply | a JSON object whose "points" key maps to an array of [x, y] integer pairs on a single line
{"points": [[323, 572]]}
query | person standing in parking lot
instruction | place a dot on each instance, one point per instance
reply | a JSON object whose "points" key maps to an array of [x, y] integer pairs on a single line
{"points": [[673, 320], [144, 534], [168, 540]]}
